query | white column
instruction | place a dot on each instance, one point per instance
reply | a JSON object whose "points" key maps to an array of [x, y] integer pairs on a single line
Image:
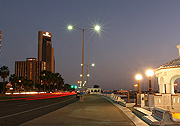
{"points": [[172, 88], [163, 88], [160, 88], [168, 88]]}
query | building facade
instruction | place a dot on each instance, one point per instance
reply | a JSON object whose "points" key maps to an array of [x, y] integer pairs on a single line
{"points": [[45, 50], [30, 69]]}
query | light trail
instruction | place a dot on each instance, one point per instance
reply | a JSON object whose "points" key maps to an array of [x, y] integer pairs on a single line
{"points": [[34, 109]]}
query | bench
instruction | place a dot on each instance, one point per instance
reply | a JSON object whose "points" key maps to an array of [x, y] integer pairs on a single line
{"points": [[149, 119], [159, 113], [160, 117], [140, 112]]}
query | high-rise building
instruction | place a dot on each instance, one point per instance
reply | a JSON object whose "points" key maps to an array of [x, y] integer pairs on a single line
{"points": [[45, 50], [30, 69], [0, 47]]}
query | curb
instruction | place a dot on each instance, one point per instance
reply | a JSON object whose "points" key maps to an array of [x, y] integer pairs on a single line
{"points": [[137, 121]]}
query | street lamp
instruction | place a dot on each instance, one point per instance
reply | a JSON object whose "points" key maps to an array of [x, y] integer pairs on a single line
{"points": [[96, 28], [88, 73], [150, 73], [135, 85], [93, 64], [139, 77]]}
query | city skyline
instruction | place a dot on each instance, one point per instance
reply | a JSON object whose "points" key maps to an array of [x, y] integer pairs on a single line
{"points": [[136, 35]]}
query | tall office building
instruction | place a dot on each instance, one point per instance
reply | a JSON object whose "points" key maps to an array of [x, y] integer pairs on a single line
{"points": [[0, 47], [30, 69], [45, 50]]}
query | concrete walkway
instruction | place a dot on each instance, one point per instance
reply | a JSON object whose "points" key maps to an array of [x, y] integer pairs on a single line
{"points": [[95, 111]]}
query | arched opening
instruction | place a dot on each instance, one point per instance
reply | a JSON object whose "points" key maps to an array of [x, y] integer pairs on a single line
{"points": [[95, 91], [174, 83]]}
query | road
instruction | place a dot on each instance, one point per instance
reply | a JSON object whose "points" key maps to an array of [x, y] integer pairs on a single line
{"points": [[15, 112]]}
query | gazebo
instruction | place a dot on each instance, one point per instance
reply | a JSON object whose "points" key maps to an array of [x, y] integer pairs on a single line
{"points": [[167, 74], [166, 98]]}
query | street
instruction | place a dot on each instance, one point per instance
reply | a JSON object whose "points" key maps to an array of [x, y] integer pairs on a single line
{"points": [[15, 112]]}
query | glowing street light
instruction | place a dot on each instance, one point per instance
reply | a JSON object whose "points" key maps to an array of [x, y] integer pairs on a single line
{"points": [[135, 85], [70, 27], [150, 73], [138, 78], [96, 28], [93, 64]]}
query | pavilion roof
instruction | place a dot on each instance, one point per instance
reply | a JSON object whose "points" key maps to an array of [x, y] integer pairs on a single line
{"points": [[172, 64]]}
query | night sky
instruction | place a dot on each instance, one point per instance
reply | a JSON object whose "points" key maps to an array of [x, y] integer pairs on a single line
{"points": [[136, 35]]}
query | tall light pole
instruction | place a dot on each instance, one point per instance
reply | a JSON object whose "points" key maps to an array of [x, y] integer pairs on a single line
{"points": [[150, 73], [138, 78], [88, 73], [96, 28]]}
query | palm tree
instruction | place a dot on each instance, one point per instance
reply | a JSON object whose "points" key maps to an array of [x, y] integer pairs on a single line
{"points": [[44, 78], [21, 82], [60, 82], [14, 80], [49, 78], [55, 79], [4, 73], [27, 84]]}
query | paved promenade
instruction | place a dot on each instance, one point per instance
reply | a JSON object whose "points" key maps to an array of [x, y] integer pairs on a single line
{"points": [[95, 111]]}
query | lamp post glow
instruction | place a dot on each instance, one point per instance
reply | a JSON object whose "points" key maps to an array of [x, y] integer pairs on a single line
{"points": [[70, 27], [93, 64], [139, 77], [150, 73], [96, 28], [135, 85]]}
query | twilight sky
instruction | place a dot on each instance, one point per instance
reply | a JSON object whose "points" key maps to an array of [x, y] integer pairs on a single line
{"points": [[136, 35]]}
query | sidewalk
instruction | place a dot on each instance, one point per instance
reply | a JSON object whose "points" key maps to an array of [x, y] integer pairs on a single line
{"points": [[95, 111]]}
